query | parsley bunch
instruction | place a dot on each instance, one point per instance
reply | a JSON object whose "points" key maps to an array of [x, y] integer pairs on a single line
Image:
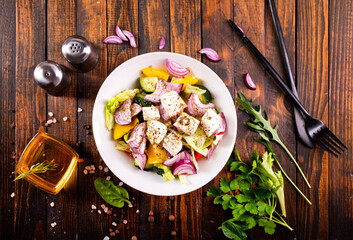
{"points": [[252, 195]]}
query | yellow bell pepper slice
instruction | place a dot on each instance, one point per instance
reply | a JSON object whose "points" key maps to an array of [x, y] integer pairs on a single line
{"points": [[185, 80], [153, 72], [120, 130], [156, 154]]}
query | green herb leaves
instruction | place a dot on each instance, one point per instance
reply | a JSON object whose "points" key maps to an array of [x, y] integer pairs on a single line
{"points": [[262, 125], [114, 195], [252, 196]]}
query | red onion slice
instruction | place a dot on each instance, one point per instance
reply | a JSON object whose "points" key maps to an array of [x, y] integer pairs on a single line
{"points": [[161, 88], [163, 113], [120, 34], [137, 136], [161, 43], [211, 54], [249, 83], [196, 107], [224, 122], [177, 87], [175, 69], [131, 38], [113, 40], [180, 156], [184, 167], [135, 109], [140, 159], [210, 151], [122, 114]]}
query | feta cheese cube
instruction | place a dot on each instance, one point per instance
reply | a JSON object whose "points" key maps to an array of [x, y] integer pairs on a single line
{"points": [[173, 104], [172, 143], [150, 113], [210, 122], [156, 131], [187, 124]]}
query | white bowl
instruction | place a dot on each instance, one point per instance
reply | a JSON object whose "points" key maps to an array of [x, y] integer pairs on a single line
{"points": [[125, 77]]}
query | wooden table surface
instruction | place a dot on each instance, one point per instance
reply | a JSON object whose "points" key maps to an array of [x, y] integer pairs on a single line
{"points": [[319, 38]]}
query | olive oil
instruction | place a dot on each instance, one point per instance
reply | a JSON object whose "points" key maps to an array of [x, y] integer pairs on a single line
{"points": [[44, 147]]}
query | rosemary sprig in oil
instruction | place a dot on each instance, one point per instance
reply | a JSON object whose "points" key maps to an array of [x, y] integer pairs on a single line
{"points": [[39, 168]]}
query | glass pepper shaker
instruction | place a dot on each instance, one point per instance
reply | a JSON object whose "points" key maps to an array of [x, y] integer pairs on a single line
{"points": [[52, 77]]}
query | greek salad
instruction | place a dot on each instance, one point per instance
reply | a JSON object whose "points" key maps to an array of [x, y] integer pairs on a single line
{"points": [[168, 124]]}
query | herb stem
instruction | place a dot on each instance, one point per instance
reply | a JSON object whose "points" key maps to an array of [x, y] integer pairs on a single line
{"points": [[294, 161]]}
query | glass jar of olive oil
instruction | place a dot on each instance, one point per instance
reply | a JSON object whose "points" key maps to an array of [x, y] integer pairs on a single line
{"points": [[44, 147]]}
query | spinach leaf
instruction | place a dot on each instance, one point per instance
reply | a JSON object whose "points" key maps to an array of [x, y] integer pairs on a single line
{"points": [[114, 195]]}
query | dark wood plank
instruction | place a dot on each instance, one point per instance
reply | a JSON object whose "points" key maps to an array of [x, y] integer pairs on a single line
{"points": [[185, 38], [312, 80], [341, 118], [7, 117], [125, 14], [250, 16], [222, 39], [91, 24], [279, 107], [61, 23], [154, 24], [30, 213]]}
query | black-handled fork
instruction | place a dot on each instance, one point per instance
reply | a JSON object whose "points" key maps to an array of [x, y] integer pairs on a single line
{"points": [[298, 117], [315, 128]]}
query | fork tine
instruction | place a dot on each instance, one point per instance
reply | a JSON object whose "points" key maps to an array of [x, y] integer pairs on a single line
{"points": [[327, 132], [333, 136], [328, 143], [322, 145]]}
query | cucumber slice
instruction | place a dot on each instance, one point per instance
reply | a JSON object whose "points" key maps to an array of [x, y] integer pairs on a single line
{"points": [[202, 92], [160, 169], [148, 84], [148, 167], [139, 99]]}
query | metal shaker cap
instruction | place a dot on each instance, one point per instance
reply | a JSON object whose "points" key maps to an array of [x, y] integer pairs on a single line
{"points": [[81, 54], [52, 77]]}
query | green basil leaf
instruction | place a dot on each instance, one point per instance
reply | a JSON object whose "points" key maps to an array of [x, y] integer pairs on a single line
{"points": [[114, 195]]}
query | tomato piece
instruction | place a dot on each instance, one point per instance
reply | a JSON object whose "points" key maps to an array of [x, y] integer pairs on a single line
{"points": [[197, 156]]}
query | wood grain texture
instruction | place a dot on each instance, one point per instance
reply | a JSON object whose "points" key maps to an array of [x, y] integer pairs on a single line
{"points": [[186, 39], [341, 118], [278, 106], [91, 24], [61, 23], [125, 14], [29, 212], [312, 80], [7, 117], [223, 41], [154, 24], [249, 15]]}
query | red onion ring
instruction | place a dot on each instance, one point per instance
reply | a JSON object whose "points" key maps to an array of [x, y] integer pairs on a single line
{"points": [[180, 156], [141, 159], [161, 43], [211, 54], [137, 136], [113, 40], [175, 69], [161, 88], [120, 34], [249, 83], [184, 167], [163, 113], [122, 114], [135, 109], [196, 108], [131, 38]]}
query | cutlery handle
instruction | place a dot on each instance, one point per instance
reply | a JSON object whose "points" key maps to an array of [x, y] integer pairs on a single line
{"points": [[268, 67]]}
